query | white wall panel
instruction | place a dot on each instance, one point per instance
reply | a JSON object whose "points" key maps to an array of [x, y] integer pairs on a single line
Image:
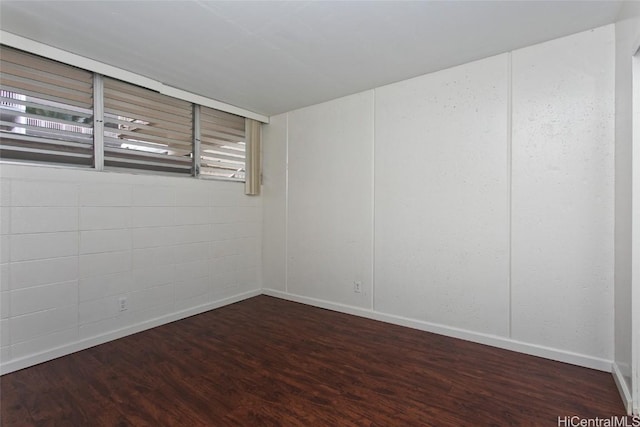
{"points": [[152, 297], [191, 270], [101, 286], [104, 263], [150, 277], [104, 217], [441, 206], [196, 196], [5, 338], [34, 325], [190, 252], [25, 247], [152, 216], [563, 193], [43, 219], [192, 233], [38, 193], [191, 215], [5, 249], [105, 241], [30, 300], [153, 195], [5, 193], [98, 309], [149, 237], [193, 287], [4, 277], [105, 195], [274, 191], [329, 235], [5, 220], [42, 272]]}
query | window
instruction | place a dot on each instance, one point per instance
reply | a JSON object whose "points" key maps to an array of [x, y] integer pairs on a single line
{"points": [[46, 110], [146, 130], [222, 144], [49, 110]]}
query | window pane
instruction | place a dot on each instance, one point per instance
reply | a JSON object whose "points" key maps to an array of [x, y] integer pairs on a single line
{"points": [[222, 144], [46, 110], [146, 130]]}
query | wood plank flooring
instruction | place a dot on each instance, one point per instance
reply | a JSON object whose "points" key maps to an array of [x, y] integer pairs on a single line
{"points": [[269, 362]]}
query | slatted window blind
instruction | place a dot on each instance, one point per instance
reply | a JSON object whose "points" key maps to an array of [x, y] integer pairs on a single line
{"points": [[46, 109], [222, 145], [47, 114], [146, 130]]}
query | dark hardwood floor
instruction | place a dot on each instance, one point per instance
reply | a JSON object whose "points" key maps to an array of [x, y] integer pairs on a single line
{"points": [[270, 362]]}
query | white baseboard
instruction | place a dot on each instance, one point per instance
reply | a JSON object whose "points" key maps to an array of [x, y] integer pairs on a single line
{"points": [[54, 353], [492, 340], [623, 389]]}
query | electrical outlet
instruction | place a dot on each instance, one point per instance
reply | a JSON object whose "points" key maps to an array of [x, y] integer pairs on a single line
{"points": [[122, 304], [357, 286]]}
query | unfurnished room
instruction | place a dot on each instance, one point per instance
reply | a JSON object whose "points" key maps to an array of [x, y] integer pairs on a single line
{"points": [[320, 213]]}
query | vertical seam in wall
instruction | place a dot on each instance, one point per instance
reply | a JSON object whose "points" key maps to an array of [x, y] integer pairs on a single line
{"points": [[9, 267], [509, 183], [78, 191], [373, 200], [286, 205]]}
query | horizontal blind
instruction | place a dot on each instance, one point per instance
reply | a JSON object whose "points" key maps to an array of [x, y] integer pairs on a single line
{"points": [[222, 144], [146, 130], [46, 109]]}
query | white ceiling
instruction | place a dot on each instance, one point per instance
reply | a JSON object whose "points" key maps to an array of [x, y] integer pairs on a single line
{"points": [[271, 56]]}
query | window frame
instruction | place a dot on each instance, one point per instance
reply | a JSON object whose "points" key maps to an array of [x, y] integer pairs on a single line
{"points": [[97, 160]]}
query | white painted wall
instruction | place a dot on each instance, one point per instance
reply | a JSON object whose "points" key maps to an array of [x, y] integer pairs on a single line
{"points": [[274, 193], [563, 212], [329, 239], [453, 167], [627, 33], [441, 188], [75, 241]]}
